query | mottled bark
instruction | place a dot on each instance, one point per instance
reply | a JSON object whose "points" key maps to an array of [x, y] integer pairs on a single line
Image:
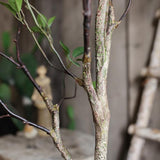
{"points": [[57, 135], [101, 147], [105, 24]]}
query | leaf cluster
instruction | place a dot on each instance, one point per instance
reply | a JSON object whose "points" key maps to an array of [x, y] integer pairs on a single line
{"points": [[13, 5], [72, 57]]}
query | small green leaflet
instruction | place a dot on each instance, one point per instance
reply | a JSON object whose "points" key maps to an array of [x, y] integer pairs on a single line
{"points": [[65, 48], [19, 4], [73, 62], [16, 5], [78, 51], [42, 20], [36, 29], [12, 3], [50, 21], [9, 8]]}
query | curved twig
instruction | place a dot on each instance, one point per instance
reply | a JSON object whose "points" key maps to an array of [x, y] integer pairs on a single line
{"points": [[75, 93], [11, 114], [71, 97], [5, 116], [10, 59], [126, 10]]}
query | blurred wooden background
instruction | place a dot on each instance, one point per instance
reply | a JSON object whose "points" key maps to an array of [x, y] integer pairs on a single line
{"points": [[131, 46]]}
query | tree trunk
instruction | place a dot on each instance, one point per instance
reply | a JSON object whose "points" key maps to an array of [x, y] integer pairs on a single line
{"points": [[102, 139]]}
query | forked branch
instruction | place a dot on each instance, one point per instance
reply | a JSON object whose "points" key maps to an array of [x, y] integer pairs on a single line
{"points": [[53, 109]]}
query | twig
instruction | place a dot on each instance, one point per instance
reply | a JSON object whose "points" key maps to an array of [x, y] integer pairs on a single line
{"points": [[75, 92], [10, 59], [66, 98], [11, 114], [5, 116], [27, 73], [86, 24], [126, 10], [87, 78]]}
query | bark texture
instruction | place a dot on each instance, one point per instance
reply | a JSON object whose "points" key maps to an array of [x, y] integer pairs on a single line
{"points": [[105, 24]]}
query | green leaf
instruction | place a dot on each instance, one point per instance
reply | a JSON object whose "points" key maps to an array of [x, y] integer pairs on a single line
{"points": [[78, 51], [42, 20], [67, 53], [19, 5], [5, 92], [65, 48], [70, 112], [6, 41], [9, 7], [13, 5], [50, 21], [73, 62], [36, 29]]}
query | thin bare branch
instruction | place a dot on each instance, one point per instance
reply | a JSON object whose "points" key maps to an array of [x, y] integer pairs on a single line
{"points": [[74, 94], [5, 116], [126, 10], [71, 97], [86, 24], [11, 114], [10, 59]]}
